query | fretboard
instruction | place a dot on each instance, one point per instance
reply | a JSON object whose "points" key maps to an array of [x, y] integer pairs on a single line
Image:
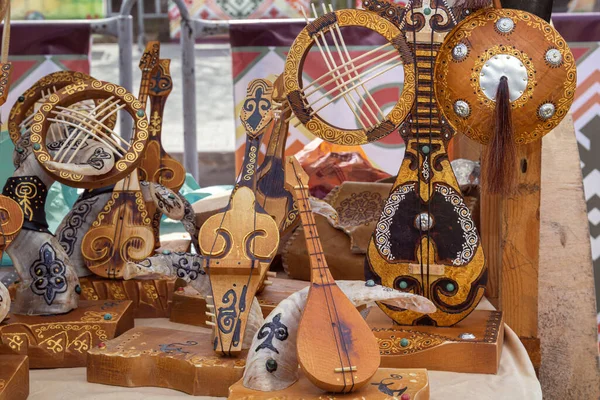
{"points": [[425, 115], [318, 264]]}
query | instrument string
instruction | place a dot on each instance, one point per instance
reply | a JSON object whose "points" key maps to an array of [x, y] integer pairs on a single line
{"points": [[324, 275], [430, 184], [340, 82], [412, 117], [346, 53]]}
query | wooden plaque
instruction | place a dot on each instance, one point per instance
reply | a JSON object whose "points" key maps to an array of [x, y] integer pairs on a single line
{"points": [[165, 358], [189, 308], [62, 341], [472, 346], [14, 377], [387, 383], [150, 298]]}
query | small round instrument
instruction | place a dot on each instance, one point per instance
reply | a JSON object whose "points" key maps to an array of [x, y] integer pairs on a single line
{"points": [[22, 112], [348, 78], [528, 51], [79, 126]]}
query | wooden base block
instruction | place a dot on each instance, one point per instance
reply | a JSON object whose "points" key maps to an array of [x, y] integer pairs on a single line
{"points": [[189, 308], [441, 349], [14, 377], [62, 341], [387, 383], [151, 298], [165, 358]]}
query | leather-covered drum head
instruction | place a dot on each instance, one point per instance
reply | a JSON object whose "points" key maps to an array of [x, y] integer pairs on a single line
{"points": [[493, 43]]}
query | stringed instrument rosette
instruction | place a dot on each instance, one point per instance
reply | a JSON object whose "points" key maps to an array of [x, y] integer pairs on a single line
{"points": [[77, 127], [240, 242], [492, 43], [22, 112], [345, 89]]}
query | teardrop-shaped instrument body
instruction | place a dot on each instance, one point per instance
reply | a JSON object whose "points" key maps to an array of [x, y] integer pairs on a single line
{"points": [[336, 348]]}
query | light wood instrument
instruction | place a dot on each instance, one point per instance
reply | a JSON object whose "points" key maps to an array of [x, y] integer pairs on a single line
{"points": [[240, 242], [336, 348]]}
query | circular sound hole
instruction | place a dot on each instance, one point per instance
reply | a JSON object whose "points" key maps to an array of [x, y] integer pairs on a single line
{"points": [[353, 80]]}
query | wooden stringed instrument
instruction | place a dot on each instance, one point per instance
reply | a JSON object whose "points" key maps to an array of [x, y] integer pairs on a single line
{"points": [[11, 221], [425, 241], [123, 230], [336, 349], [5, 66], [240, 242], [271, 192], [158, 166]]}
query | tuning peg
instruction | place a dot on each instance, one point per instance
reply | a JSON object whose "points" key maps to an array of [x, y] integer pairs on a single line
{"points": [[209, 297], [267, 282], [210, 323], [271, 274], [209, 314], [210, 306]]}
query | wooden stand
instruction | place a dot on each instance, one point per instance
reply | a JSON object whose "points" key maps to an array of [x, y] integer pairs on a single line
{"points": [[190, 308], [62, 341], [441, 349], [387, 383], [14, 377], [165, 358], [150, 298]]}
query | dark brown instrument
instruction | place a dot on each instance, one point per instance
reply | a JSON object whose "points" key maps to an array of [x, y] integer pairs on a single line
{"points": [[271, 192], [336, 348], [425, 241]]}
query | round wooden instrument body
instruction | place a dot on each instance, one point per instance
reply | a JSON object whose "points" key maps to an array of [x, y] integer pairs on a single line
{"points": [[294, 69], [94, 90], [11, 221], [492, 43], [24, 106]]}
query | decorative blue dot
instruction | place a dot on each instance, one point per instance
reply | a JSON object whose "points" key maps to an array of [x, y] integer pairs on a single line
{"points": [[271, 365], [37, 146], [450, 287], [166, 252], [370, 283], [425, 149], [427, 11], [107, 317], [78, 289], [404, 342], [21, 99], [403, 284], [140, 113], [171, 196], [20, 150]]}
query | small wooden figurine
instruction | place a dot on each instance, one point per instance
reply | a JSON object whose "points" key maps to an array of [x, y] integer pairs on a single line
{"points": [[240, 242]]}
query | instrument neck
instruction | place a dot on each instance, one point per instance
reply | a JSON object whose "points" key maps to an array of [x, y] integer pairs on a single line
{"points": [[157, 108], [247, 175], [144, 89], [425, 118], [318, 265], [278, 137]]}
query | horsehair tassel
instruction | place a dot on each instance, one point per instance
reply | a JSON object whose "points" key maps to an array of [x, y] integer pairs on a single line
{"points": [[500, 154]]}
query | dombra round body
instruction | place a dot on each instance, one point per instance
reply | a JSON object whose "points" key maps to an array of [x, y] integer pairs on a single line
{"points": [[529, 52]]}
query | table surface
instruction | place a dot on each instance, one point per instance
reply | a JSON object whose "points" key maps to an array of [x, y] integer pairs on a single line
{"points": [[516, 378]]}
